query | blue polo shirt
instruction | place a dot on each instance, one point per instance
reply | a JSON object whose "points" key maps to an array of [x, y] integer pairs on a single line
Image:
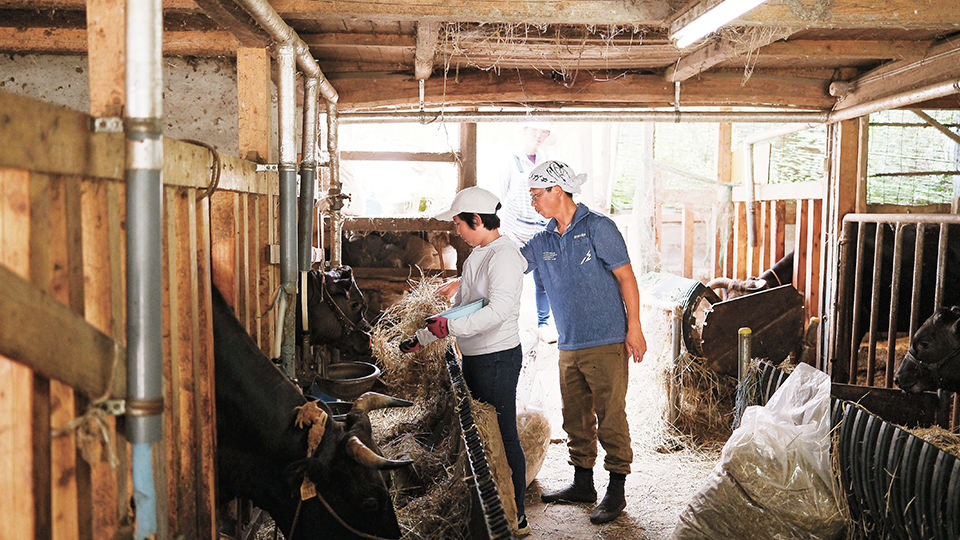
{"points": [[577, 273]]}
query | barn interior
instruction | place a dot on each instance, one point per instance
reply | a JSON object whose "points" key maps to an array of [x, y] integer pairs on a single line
{"points": [[795, 126]]}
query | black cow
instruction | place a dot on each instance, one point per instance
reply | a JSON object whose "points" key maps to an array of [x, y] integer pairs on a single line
{"points": [[933, 360], [262, 454], [335, 309], [781, 273]]}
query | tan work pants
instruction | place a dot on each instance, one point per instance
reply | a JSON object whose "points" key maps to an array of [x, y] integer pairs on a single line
{"points": [[593, 388]]}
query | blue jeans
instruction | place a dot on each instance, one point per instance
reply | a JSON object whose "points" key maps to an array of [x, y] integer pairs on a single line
{"points": [[492, 379], [543, 303]]}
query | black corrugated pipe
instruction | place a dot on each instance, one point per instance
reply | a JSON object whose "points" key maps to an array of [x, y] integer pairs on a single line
{"points": [[144, 164], [286, 67]]}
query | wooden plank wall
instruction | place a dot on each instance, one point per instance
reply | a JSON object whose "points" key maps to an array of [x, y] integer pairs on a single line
{"points": [[62, 228], [776, 206]]}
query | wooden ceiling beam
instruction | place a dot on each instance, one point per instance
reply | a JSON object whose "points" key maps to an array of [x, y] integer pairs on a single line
{"points": [[81, 5], [74, 41], [718, 51], [939, 63], [899, 14], [323, 41], [853, 49], [428, 32], [719, 89], [648, 12]]}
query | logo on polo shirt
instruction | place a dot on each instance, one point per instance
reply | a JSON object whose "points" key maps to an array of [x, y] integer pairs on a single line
{"points": [[549, 255], [586, 257]]}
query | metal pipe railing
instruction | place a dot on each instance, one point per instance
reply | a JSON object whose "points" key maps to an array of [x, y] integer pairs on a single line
{"points": [[335, 194], [308, 173], [143, 127], [583, 116], [267, 17], [288, 201]]}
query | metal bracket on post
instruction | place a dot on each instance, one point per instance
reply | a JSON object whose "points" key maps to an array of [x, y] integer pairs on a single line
{"points": [[106, 124], [114, 407], [268, 167]]}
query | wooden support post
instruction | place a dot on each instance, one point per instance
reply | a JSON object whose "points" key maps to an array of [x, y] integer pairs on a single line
{"points": [[16, 401], [814, 242], [800, 252], [778, 217], [740, 268], [468, 156], [253, 105], [106, 35], [723, 247], [688, 219]]}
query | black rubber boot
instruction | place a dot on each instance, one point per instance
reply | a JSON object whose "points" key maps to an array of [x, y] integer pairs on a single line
{"points": [[613, 502], [580, 491]]}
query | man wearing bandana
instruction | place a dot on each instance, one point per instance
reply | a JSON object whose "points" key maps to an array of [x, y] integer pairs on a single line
{"points": [[583, 263]]}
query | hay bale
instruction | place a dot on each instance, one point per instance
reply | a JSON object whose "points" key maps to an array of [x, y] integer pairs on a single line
{"points": [[534, 429], [485, 417]]}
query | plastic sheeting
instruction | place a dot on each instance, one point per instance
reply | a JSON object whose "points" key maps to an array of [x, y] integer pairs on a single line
{"points": [[774, 478]]}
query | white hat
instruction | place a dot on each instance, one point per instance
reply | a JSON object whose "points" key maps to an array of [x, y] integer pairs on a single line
{"points": [[475, 200], [554, 173]]}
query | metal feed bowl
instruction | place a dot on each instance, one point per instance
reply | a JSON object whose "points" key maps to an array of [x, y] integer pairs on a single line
{"points": [[348, 380]]}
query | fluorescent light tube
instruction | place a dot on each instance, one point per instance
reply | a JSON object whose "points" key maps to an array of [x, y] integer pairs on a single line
{"points": [[712, 19]]}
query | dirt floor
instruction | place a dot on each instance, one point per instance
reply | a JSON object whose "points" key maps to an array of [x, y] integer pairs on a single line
{"points": [[660, 484]]}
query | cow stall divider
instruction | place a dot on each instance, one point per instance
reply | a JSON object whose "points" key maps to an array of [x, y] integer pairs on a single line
{"points": [[895, 287], [62, 238]]}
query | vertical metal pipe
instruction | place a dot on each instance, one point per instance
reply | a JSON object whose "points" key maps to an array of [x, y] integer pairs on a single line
{"points": [[855, 317], [875, 304], [286, 67], [750, 198], [894, 305], [941, 266], [144, 166], [308, 172], [840, 321], [917, 274], [673, 385], [744, 352], [334, 194]]}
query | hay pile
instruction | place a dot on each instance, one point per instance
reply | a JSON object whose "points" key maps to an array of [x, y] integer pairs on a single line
{"points": [[705, 400], [432, 496], [944, 439]]}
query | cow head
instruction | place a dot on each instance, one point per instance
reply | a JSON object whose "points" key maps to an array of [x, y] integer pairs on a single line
{"points": [[345, 471], [933, 360], [728, 288], [335, 309]]}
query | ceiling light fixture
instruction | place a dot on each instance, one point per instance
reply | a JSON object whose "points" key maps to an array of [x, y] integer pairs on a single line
{"points": [[706, 17]]}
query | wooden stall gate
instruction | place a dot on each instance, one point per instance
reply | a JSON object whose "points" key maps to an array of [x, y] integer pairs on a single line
{"points": [[62, 321]]}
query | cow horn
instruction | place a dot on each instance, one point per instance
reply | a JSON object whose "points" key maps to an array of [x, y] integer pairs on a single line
{"points": [[370, 401], [759, 283], [363, 455], [719, 283]]}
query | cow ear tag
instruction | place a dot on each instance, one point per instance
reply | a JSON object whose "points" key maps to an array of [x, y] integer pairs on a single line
{"points": [[308, 489]]}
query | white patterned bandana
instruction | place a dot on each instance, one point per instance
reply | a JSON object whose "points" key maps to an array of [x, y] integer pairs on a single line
{"points": [[555, 173]]}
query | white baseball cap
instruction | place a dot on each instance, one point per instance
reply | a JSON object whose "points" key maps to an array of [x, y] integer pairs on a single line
{"points": [[475, 200], [556, 173]]}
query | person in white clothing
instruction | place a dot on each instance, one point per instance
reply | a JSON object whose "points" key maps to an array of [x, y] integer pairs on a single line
{"points": [[490, 338], [519, 220]]}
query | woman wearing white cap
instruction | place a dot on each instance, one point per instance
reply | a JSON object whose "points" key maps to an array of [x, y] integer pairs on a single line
{"points": [[583, 261], [490, 338]]}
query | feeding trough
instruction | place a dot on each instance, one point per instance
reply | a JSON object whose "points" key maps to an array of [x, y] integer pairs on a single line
{"points": [[348, 380]]}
